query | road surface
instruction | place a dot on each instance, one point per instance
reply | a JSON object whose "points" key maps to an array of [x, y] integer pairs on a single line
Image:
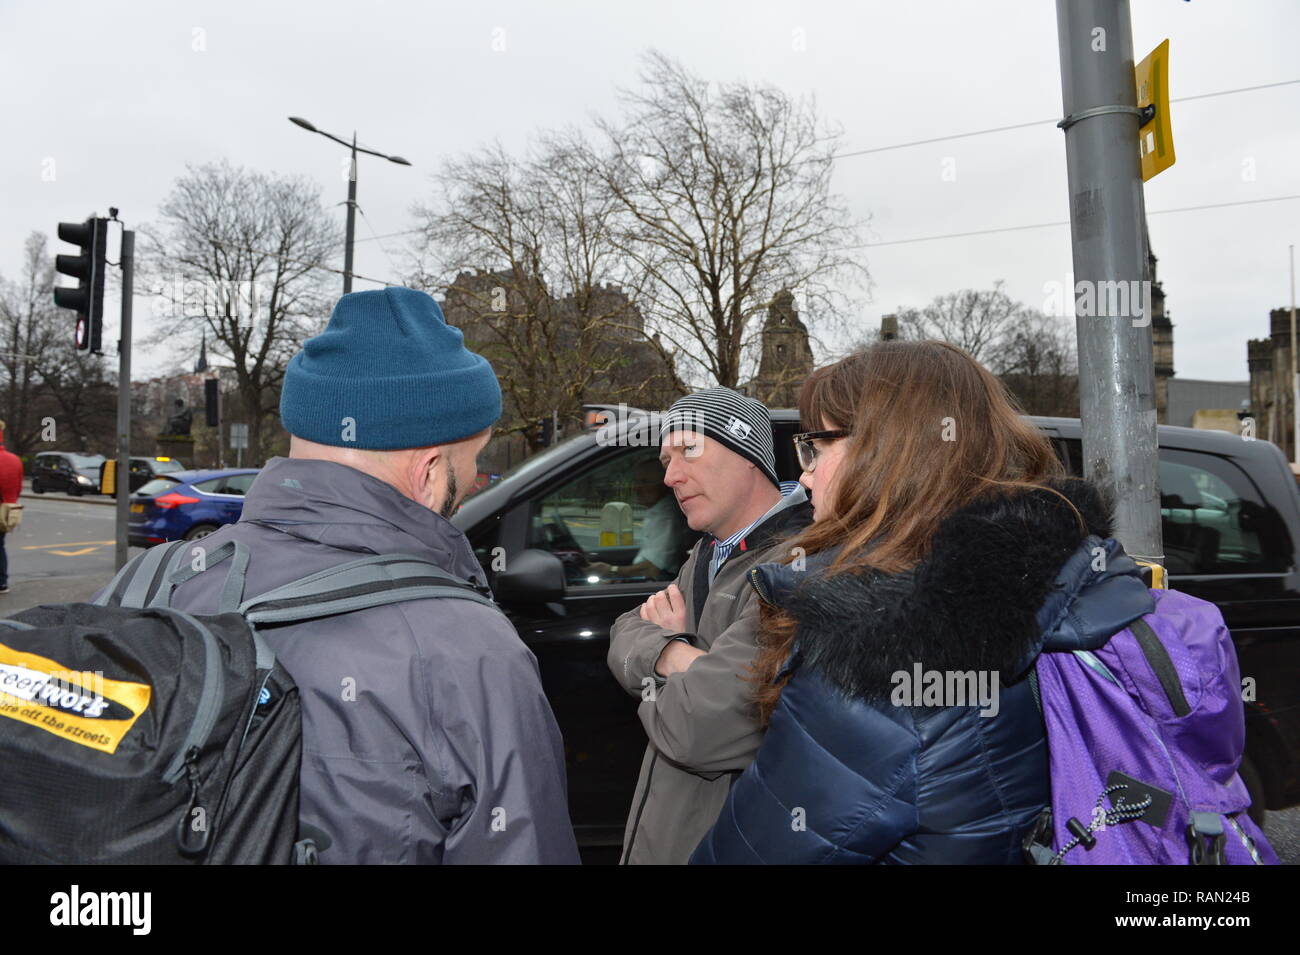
{"points": [[62, 552]]}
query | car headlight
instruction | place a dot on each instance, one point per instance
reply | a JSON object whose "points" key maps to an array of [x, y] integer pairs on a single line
{"points": [[82, 479]]}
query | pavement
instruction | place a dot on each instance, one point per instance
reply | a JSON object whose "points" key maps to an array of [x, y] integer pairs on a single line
{"points": [[28, 495]]}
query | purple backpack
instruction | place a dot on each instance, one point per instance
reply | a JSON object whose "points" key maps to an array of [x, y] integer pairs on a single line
{"points": [[1144, 737]]}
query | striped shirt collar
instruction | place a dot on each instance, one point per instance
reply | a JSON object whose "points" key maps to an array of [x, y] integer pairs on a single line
{"points": [[792, 493]]}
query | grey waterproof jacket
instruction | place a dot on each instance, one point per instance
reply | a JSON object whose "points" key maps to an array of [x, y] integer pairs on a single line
{"points": [[426, 734]]}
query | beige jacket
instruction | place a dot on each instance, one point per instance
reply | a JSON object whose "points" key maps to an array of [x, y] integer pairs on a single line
{"points": [[701, 724]]}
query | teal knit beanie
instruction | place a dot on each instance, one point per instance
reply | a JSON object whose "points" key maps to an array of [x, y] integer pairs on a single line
{"points": [[388, 372]]}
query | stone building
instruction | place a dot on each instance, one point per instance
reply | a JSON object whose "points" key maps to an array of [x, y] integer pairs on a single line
{"points": [[1195, 403], [1271, 391], [1162, 342], [786, 357], [531, 336], [476, 299]]}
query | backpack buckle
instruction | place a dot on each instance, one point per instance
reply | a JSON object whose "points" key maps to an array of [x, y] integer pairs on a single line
{"points": [[311, 842], [1205, 839], [1037, 844]]}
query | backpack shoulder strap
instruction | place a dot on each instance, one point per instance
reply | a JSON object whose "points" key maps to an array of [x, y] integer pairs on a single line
{"points": [[358, 585], [149, 579], [1161, 665], [232, 592], [139, 578], [1033, 687]]}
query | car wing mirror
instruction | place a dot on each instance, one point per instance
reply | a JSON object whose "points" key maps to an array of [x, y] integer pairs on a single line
{"points": [[531, 576]]}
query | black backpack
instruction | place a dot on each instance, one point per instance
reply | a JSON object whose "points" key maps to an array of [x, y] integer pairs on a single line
{"points": [[132, 732]]}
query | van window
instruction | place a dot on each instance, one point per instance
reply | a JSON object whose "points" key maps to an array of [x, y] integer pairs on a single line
{"points": [[1214, 520], [618, 514], [485, 539], [1212, 517]]}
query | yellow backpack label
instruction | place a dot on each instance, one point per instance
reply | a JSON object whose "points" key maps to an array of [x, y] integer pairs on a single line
{"points": [[76, 705]]}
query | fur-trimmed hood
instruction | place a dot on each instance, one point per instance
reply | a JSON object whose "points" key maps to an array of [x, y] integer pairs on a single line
{"points": [[1007, 576]]}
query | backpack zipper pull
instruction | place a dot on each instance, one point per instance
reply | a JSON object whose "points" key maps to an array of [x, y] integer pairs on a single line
{"points": [[192, 842]]}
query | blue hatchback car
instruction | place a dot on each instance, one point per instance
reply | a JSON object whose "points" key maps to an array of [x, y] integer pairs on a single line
{"points": [[187, 504]]}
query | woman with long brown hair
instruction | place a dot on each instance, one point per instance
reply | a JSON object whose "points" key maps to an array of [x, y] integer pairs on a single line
{"points": [[948, 548]]}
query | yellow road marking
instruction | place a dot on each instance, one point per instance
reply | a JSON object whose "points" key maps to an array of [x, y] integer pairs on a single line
{"points": [[66, 544], [74, 553]]}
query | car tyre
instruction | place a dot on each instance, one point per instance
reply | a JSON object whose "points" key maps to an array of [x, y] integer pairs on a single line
{"points": [[1255, 786], [199, 530], [37, 489]]}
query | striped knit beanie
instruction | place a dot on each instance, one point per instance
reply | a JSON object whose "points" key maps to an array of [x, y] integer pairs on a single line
{"points": [[740, 424]]}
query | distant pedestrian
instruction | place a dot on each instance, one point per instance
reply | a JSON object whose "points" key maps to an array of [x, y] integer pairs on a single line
{"points": [[11, 486]]}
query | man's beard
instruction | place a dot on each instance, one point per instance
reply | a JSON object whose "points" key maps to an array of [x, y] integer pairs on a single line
{"points": [[449, 505]]}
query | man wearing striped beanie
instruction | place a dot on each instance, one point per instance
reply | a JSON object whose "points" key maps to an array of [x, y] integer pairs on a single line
{"points": [[686, 651]]}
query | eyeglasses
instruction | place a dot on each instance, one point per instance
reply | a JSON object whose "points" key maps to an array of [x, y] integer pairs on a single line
{"points": [[807, 452]]}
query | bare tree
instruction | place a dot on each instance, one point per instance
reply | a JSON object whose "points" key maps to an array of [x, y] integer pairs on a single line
{"points": [[26, 308], [241, 254], [84, 392], [520, 247], [1033, 353], [45, 376], [977, 320], [725, 199], [1037, 360]]}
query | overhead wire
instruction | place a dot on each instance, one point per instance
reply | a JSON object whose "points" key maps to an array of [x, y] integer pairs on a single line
{"points": [[376, 237]]}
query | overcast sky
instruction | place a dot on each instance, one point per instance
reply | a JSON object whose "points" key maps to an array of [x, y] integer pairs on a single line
{"points": [[115, 98]]}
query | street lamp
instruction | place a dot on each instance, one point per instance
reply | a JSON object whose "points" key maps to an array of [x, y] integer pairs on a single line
{"points": [[352, 189]]}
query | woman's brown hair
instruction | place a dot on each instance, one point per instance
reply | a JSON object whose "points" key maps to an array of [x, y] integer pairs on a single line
{"points": [[930, 430]]}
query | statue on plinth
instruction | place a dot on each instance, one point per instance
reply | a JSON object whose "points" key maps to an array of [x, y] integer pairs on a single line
{"points": [[180, 421]]}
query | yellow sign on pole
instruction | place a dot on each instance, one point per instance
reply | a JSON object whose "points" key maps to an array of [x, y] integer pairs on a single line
{"points": [[1156, 137]]}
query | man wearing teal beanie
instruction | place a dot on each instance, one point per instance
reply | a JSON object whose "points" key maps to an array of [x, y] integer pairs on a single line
{"points": [[426, 735], [389, 374]]}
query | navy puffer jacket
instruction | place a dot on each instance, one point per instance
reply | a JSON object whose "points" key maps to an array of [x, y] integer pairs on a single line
{"points": [[853, 769]]}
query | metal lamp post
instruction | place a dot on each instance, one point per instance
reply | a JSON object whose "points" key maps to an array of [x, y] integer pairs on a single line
{"points": [[352, 188]]}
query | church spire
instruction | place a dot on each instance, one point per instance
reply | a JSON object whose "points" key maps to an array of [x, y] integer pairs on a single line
{"points": [[201, 365]]}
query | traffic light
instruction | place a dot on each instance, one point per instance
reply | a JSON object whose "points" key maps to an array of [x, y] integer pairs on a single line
{"points": [[545, 431], [212, 402], [87, 299]]}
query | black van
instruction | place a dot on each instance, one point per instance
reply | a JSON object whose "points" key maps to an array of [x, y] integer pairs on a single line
{"points": [[1231, 517], [74, 474]]}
